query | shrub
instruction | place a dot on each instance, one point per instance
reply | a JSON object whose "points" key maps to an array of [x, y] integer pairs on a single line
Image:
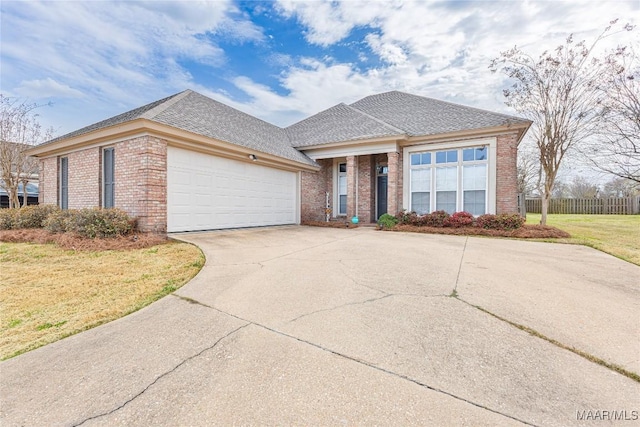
{"points": [[34, 216], [58, 221], [500, 222], [459, 219], [91, 223], [8, 218], [98, 222], [407, 218], [434, 219], [387, 221]]}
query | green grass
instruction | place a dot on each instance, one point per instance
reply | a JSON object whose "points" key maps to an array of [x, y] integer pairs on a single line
{"points": [[48, 293], [618, 235]]}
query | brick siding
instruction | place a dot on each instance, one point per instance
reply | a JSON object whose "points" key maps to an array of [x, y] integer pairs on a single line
{"points": [[507, 174], [48, 181], [140, 180], [314, 186], [366, 189]]}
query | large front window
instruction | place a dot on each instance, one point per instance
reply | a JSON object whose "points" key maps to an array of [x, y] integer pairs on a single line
{"points": [[449, 180]]}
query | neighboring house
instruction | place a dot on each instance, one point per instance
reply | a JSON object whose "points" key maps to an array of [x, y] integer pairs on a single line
{"points": [[188, 162], [32, 194]]}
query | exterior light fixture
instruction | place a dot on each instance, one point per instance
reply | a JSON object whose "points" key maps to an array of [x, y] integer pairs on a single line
{"points": [[253, 157]]}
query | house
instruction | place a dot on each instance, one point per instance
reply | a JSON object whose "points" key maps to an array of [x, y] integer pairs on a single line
{"points": [[188, 162]]}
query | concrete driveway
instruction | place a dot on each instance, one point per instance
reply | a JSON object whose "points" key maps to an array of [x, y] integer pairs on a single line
{"points": [[297, 325]]}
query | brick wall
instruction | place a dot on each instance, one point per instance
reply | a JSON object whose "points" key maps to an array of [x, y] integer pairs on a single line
{"points": [[141, 181], [394, 183], [314, 186], [84, 178], [366, 189], [506, 174], [48, 181]]}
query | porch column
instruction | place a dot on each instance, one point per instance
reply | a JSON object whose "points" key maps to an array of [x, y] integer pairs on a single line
{"points": [[393, 183], [351, 186]]}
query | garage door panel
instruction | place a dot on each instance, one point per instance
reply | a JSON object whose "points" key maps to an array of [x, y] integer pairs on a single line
{"points": [[207, 192]]}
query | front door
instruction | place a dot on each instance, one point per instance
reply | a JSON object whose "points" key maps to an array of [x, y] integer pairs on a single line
{"points": [[381, 191]]}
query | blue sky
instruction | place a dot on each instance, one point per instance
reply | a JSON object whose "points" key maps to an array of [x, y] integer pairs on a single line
{"points": [[280, 61]]}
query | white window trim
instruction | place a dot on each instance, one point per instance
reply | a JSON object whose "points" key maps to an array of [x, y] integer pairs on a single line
{"points": [[492, 143], [336, 196]]}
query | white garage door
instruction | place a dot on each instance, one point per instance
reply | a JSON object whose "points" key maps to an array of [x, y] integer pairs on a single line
{"points": [[206, 192]]}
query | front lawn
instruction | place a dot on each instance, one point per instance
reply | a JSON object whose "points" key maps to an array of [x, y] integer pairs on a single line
{"points": [[618, 235], [48, 292]]}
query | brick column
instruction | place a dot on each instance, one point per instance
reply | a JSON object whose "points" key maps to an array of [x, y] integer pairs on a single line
{"points": [[507, 174], [393, 182], [366, 189], [351, 186]]}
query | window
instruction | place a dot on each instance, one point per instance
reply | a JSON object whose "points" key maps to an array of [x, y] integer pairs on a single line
{"points": [[342, 188], [449, 180], [446, 188], [64, 183], [108, 176], [474, 184]]}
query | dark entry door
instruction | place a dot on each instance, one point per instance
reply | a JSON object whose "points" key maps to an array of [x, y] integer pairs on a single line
{"points": [[382, 195]]}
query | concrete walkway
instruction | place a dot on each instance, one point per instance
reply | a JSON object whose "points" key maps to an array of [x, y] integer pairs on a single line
{"points": [[297, 325]]}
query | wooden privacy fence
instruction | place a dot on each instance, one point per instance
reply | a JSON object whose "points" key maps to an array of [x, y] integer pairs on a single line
{"points": [[614, 205]]}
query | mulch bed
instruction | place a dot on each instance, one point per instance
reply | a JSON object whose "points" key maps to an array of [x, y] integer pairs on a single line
{"points": [[330, 224], [75, 242], [533, 231]]}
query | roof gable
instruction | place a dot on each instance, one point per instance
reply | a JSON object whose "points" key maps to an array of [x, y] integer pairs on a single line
{"points": [[337, 124]]}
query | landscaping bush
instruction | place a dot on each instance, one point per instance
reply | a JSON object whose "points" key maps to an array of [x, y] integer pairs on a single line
{"points": [[34, 216], [500, 222], [91, 223], [459, 219], [407, 218], [57, 222], [8, 218], [387, 221], [434, 219]]}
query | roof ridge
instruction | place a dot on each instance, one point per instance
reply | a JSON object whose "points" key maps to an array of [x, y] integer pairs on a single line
{"points": [[382, 122], [150, 114], [462, 105]]}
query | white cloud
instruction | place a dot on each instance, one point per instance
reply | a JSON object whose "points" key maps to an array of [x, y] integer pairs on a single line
{"points": [[46, 88]]}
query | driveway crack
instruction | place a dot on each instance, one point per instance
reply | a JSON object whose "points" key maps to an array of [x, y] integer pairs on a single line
{"points": [[454, 293], [619, 369], [158, 378], [372, 366], [339, 306]]}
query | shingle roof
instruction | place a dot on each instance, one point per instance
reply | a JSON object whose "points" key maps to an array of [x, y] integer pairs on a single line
{"points": [[336, 124], [120, 118], [201, 115], [389, 114], [421, 116], [204, 116]]}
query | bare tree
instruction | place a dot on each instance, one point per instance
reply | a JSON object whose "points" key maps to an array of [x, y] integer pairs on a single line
{"points": [[617, 146], [528, 171], [581, 188], [19, 129], [558, 93], [620, 187]]}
